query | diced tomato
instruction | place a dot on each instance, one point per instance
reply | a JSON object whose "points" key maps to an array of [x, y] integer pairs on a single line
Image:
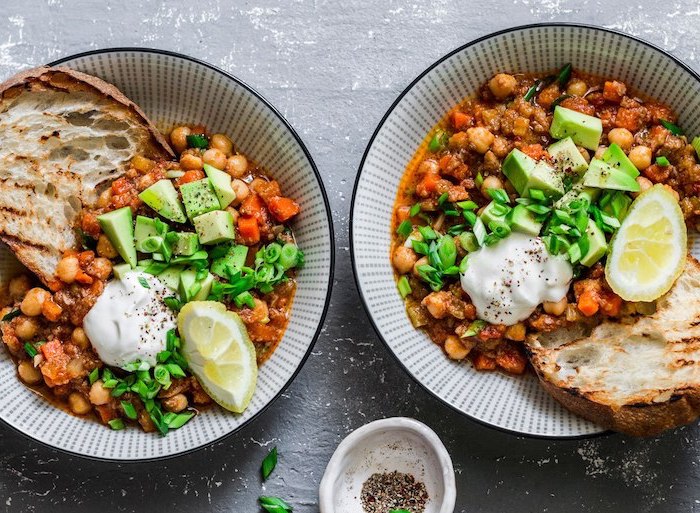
{"points": [[266, 189], [248, 229], [587, 304], [535, 151], [282, 209], [511, 360], [613, 91], [54, 367], [86, 258], [445, 162], [610, 304], [460, 120], [90, 225], [190, 176], [429, 183], [121, 186]]}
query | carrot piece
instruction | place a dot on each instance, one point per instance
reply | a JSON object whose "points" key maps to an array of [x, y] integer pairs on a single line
{"points": [[460, 120], [84, 278], [248, 229], [587, 304], [429, 182], [51, 310], [86, 257], [253, 206], [282, 209], [55, 285], [444, 161], [190, 176]]}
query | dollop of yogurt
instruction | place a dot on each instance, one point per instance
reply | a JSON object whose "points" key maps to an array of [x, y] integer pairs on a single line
{"points": [[506, 281], [129, 321]]}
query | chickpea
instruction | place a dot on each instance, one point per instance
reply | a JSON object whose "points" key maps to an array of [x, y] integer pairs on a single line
{"points": [[237, 166], [584, 153], [215, 157], [241, 189], [105, 198], [34, 301], [234, 214], [516, 332], [79, 338], [28, 373], [503, 85], [644, 184], [419, 262], [428, 166], [190, 162], [142, 164], [100, 268], [26, 328], [19, 286], [577, 87], [491, 182], [480, 138], [78, 404], [404, 259], [176, 403], [75, 368], [555, 308], [98, 394], [260, 312], [105, 248], [221, 143], [640, 157], [178, 138], [622, 137], [67, 269], [455, 349]]}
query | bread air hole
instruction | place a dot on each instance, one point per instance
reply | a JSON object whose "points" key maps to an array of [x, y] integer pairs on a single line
{"points": [[80, 118]]}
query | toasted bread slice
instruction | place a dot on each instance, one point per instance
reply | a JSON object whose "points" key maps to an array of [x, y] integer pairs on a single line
{"points": [[639, 376], [64, 137]]}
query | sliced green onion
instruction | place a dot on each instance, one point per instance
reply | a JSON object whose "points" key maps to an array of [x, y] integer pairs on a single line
{"points": [[175, 370], [564, 217], [447, 251], [269, 463], [470, 205], [30, 350], [199, 141], [671, 127], [479, 180], [427, 233], [11, 315], [291, 256], [404, 286], [443, 198], [479, 231], [564, 75], [420, 247], [274, 505], [469, 217], [538, 209], [431, 276], [456, 229], [499, 209], [244, 298], [523, 201], [491, 239], [468, 241], [120, 389], [574, 253], [552, 244], [474, 328], [536, 194], [94, 375], [272, 252], [662, 161], [144, 282], [161, 375], [129, 410], [696, 145], [500, 229], [464, 264], [499, 195], [173, 303], [438, 141], [415, 209], [179, 420], [405, 228], [116, 424], [110, 383], [609, 220], [584, 245], [532, 91]]}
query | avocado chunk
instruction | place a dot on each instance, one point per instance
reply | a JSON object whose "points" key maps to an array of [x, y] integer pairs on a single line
{"points": [[233, 260], [162, 197], [171, 277], [199, 198], [517, 167], [489, 214], [604, 176], [597, 246], [118, 225], [584, 130], [546, 179], [523, 220], [203, 293], [144, 232], [190, 289], [578, 192], [221, 183], [183, 243], [214, 227], [567, 158], [615, 156], [120, 270]]}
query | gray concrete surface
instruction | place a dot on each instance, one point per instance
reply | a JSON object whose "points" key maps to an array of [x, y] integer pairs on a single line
{"points": [[333, 68]]}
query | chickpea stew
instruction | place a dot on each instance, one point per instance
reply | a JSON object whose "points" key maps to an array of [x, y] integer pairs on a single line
{"points": [[529, 180], [211, 226]]}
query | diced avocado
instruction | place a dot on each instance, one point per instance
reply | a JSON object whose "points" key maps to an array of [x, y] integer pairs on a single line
{"points": [[488, 215], [143, 264], [118, 225], [604, 176], [158, 257], [546, 179], [221, 183], [188, 278], [162, 197], [578, 192], [199, 198], [615, 156], [145, 228], [120, 270], [597, 246], [567, 158], [214, 227], [517, 167], [183, 243], [618, 206], [234, 259], [203, 293], [523, 220], [171, 277], [584, 130]]}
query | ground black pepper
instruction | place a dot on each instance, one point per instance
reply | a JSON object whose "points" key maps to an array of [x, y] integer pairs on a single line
{"points": [[382, 493]]}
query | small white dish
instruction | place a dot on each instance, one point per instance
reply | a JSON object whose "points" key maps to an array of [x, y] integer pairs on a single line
{"points": [[395, 444]]}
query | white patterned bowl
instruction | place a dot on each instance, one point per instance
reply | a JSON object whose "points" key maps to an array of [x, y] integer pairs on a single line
{"points": [[515, 404], [173, 89]]}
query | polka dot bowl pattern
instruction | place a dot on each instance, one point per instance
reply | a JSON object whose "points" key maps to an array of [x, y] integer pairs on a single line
{"points": [[515, 404], [174, 89]]}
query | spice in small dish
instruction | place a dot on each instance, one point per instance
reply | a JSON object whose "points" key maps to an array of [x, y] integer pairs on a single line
{"points": [[385, 492]]}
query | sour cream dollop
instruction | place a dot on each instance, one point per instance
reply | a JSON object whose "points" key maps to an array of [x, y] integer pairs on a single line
{"points": [[506, 281], [129, 321]]}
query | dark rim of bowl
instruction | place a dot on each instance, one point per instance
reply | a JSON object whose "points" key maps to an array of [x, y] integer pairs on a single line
{"points": [[329, 216], [410, 86]]}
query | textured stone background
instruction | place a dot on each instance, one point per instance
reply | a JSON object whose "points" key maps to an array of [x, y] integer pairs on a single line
{"points": [[333, 68]]}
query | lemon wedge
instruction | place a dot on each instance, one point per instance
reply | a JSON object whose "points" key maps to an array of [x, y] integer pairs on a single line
{"points": [[648, 251], [219, 352]]}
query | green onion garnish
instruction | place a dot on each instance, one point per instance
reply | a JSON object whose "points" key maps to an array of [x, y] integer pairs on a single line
{"points": [[456, 229], [438, 141], [420, 247], [564, 75], [427, 233], [144, 282], [470, 205], [431, 276], [173, 303], [274, 505], [12, 315], [404, 286], [94, 375], [415, 209], [479, 231], [574, 253], [662, 161], [499, 195], [179, 420], [479, 180], [468, 241], [469, 217], [443, 198], [500, 229], [199, 141], [532, 91], [30, 350], [671, 127], [129, 410], [464, 264], [536, 194], [447, 251], [244, 298], [474, 328], [405, 228], [696, 145], [538, 209], [116, 424]]}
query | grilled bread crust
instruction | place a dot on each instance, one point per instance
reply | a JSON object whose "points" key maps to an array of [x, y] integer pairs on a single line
{"points": [[639, 376], [64, 137]]}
